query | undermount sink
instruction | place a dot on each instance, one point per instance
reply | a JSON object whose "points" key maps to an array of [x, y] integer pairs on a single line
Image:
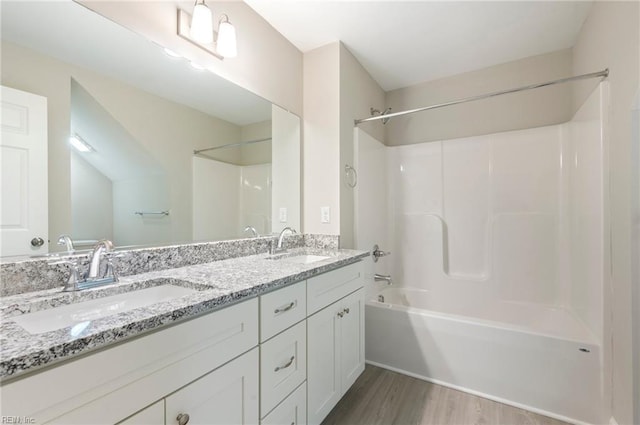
{"points": [[79, 315], [304, 259]]}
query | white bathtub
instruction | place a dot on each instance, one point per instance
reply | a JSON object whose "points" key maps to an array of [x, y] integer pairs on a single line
{"points": [[529, 356]]}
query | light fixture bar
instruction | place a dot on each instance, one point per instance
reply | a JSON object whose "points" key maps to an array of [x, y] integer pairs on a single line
{"points": [[184, 31], [79, 144]]}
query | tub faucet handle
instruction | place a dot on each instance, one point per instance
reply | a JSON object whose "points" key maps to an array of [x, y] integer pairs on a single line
{"points": [[376, 253]]}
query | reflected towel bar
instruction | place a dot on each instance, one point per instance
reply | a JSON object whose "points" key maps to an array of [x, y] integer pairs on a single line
{"points": [[141, 213], [231, 145]]}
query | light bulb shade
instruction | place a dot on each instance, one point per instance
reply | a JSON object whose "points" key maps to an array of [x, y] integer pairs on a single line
{"points": [[226, 45], [202, 24]]}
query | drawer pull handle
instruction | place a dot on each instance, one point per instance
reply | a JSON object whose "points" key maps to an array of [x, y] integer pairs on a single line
{"points": [[287, 308], [183, 419], [340, 314], [346, 310], [289, 363]]}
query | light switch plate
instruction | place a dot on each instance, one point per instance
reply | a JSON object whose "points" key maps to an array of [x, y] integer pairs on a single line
{"points": [[282, 215], [325, 215]]}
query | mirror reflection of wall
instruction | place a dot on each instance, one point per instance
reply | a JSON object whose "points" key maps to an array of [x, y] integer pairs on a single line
{"points": [[144, 113]]}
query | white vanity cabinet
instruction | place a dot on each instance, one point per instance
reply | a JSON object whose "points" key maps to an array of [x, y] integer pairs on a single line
{"points": [[110, 385], [323, 354], [335, 341], [264, 360]]}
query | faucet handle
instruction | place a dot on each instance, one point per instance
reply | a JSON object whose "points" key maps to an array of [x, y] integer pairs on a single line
{"points": [[74, 275], [110, 270]]}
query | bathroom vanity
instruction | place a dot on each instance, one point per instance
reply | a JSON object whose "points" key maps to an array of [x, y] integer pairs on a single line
{"points": [[279, 348]]}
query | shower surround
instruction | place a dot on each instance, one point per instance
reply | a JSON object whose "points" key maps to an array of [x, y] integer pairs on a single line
{"points": [[500, 231]]}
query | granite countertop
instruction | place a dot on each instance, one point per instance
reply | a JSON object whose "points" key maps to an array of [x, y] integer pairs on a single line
{"points": [[218, 284]]}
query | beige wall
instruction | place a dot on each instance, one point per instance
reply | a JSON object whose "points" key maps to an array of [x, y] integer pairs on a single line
{"points": [[536, 108], [321, 134], [285, 170], [267, 63], [92, 216], [256, 153], [609, 38], [168, 131], [358, 93]]}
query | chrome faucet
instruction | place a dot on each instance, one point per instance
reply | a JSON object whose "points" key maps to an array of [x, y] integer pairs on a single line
{"points": [[92, 277], [94, 258], [68, 242], [383, 277], [254, 232], [281, 238]]}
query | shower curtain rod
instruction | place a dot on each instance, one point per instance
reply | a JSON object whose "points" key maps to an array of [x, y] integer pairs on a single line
{"points": [[604, 73], [231, 145]]}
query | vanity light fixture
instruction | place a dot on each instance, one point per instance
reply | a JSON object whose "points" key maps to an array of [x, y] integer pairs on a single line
{"points": [[198, 29], [79, 144], [201, 30], [227, 46]]}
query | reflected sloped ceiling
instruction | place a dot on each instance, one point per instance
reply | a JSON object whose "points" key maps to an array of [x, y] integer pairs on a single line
{"points": [[118, 155]]}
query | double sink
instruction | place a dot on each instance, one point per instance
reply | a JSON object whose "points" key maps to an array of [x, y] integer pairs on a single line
{"points": [[78, 310]]}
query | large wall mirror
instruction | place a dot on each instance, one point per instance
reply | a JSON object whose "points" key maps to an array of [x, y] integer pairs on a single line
{"points": [[175, 154]]}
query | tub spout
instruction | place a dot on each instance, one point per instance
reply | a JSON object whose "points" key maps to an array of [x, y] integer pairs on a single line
{"points": [[383, 277]]}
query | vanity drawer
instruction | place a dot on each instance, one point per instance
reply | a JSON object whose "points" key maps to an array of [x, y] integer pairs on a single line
{"points": [[293, 410], [281, 309], [283, 366], [329, 287]]}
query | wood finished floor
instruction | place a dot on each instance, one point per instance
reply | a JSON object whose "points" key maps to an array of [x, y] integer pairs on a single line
{"points": [[382, 397]]}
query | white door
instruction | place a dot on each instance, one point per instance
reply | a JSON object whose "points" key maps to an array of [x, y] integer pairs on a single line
{"points": [[323, 363], [352, 339], [23, 174]]}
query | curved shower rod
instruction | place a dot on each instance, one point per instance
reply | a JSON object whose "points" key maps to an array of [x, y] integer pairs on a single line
{"points": [[604, 73]]}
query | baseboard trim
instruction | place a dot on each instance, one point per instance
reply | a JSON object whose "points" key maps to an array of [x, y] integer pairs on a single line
{"points": [[487, 396]]}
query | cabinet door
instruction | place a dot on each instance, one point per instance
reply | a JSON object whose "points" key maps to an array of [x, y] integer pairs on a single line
{"points": [[351, 338], [228, 395], [323, 363], [152, 415]]}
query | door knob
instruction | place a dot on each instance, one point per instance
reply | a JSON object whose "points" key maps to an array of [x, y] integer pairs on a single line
{"points": [[37, 242]]}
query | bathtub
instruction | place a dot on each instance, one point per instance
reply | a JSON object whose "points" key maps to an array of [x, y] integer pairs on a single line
{"points": [[529, 356]]}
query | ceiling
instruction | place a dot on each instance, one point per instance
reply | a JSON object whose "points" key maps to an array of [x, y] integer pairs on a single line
{"points": [[402, 43]]}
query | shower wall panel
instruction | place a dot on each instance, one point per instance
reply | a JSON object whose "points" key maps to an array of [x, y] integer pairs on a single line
{"points": [[482, 213]]}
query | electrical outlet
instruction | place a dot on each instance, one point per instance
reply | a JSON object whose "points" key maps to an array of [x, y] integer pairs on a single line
{"points": [[325, 215], [283, 215]]}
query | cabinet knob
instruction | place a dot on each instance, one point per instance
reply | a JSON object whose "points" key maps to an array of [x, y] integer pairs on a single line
{"points": [[346, 310], [182, 418], [341, 313]]}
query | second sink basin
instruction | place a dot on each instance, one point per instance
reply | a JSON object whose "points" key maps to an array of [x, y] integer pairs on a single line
{"points": [[304, 259], [82, 313]]}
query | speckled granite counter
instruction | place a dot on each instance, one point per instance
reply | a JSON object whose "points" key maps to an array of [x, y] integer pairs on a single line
{"points": [[218, 284]]}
